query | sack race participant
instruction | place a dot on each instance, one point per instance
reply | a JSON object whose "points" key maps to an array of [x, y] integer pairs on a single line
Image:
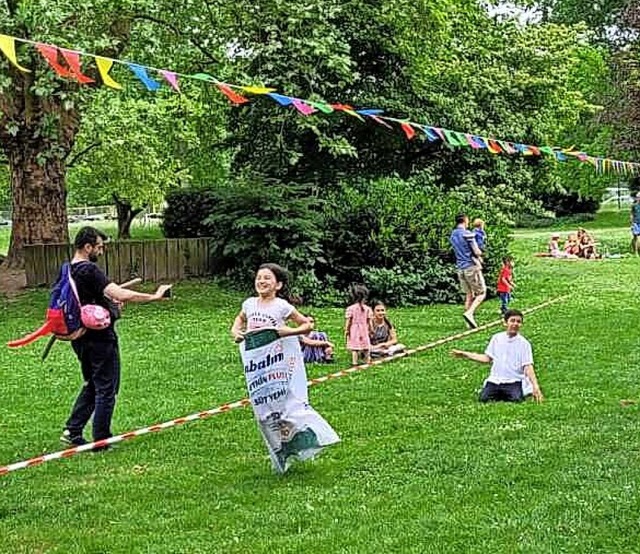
{"points": [[275, 372], [277, 386]]}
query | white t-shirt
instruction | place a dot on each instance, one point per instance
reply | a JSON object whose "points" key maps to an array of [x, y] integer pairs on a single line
{"points": [[273, 313], [509, 357]]}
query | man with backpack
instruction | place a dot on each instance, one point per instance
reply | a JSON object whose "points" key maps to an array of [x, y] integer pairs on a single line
{"points": [[97, 349]]}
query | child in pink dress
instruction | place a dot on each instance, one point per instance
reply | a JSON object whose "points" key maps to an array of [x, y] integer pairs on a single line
{"points": [[358, 324]]}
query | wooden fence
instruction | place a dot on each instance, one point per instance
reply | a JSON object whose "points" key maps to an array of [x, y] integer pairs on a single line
{"points": [[165, 260]]}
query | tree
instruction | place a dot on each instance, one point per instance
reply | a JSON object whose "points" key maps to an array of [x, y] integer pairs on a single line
{"points": [[133, 149], [41, 114]]}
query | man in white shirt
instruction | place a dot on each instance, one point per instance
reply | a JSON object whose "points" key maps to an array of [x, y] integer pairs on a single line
{"points": [[512, 376]]}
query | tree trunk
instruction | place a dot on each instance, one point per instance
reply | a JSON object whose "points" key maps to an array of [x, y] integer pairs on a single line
{"points": [[126, 215], [39, 212]]}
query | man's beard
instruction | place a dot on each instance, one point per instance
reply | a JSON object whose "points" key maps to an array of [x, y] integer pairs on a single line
{"points": [[93, 258]]}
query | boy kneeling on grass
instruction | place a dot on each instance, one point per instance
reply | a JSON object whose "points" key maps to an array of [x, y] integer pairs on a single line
{"points": [[512, 376]]}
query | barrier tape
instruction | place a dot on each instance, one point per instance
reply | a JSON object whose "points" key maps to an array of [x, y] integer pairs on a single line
{"points": [[39, 460]]}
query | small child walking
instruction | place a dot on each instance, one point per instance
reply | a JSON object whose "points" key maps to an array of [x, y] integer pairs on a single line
{"points": [[358, 325], [505, 283]]}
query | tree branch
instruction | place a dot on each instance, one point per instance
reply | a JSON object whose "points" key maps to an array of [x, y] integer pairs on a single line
{"points": [[177, 31], [79, 155]]}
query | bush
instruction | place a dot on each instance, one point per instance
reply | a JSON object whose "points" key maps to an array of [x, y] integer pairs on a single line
{"points": [[393, 235], [406, 285], [186, 211], [257, 221]]}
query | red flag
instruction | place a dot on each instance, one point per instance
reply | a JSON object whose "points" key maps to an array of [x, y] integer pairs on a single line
{"points": [[50, 53], [73, 61], [408, 130], [232, 95], [493, 147]]}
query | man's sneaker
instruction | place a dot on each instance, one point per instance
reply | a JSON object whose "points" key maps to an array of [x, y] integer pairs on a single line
{"points": [[471, 322], [72, 440]]}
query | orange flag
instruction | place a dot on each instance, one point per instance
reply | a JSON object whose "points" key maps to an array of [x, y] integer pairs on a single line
{"points": [[408, 130], [231, 94]]}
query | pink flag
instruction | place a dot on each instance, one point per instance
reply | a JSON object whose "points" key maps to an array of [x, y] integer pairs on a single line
{"points": [[303, 107], [171, 78]]}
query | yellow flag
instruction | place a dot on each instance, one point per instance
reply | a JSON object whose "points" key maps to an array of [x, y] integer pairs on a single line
{"points": [[8, 47], [258, 90], [104, 66]]}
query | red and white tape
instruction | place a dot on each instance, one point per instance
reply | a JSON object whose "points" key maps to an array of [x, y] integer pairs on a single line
{"points": [[245, 401]]}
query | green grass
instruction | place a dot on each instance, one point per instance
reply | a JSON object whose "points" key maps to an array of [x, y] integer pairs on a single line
{"points": [[423, 467], [138, 231]]}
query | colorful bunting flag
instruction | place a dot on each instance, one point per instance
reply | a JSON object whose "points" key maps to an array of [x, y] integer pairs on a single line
{"points": [[321, 106], [258, 90], [232, 95], [50, 53], [73, 61], [141, 73], [171, 78], [281, 99], [303, 107], [408, 129], [8, 48], [204, 77], [66, 63], [104, 66], [380, 121], [493, 146]]}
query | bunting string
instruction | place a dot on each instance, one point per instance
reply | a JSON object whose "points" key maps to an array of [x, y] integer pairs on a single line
{"points": [[66, 63]]}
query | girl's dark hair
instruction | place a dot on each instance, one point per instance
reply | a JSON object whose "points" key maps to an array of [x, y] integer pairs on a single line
{"points": [[386, 320], [359, 293], [282, 276]]}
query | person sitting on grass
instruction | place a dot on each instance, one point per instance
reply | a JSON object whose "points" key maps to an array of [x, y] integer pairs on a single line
{"points": [[571, 247], [554, 246], [587, 245], [384, 341], [316, 346], [512, 376]]}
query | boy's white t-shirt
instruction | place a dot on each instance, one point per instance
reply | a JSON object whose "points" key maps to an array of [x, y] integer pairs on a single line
{"points": [[266, 314], [509, 357]]}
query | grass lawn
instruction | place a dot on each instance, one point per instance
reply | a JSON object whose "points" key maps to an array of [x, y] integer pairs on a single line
{"points": [[423, 467]]}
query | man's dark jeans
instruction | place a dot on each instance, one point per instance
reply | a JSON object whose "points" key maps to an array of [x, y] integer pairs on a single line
{"points": [[507, 392], [100, 363]]}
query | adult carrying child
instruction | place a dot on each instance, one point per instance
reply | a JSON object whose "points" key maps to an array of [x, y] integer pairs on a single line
{"points": [[275, 373]]}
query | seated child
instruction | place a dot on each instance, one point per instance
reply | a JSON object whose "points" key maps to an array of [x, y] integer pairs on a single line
{"points": [[571, 247], [316, 346], [554, 246]]}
